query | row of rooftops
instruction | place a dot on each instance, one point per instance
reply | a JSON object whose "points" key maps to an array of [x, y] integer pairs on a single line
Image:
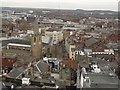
{"points": [[88, 42], [88, 39], [22, 63], [105, 78]]}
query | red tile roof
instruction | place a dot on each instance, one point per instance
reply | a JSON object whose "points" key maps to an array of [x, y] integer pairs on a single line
{"points": [[70, 63], [114, 37]]}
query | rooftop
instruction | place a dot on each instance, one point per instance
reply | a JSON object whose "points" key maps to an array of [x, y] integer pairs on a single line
{"points": [[90, 41], [46, 39], [54, 29], [20, 45], [17, 71], [105, 78]]}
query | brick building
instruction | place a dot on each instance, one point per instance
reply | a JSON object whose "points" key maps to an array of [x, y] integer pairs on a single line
{"points": [[7, 63]]}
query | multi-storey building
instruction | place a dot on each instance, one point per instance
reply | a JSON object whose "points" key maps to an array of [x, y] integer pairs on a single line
{"points": [[56, 35]]}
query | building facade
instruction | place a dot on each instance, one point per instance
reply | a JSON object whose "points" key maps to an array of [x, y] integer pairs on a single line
{"points": [[56, 35]]}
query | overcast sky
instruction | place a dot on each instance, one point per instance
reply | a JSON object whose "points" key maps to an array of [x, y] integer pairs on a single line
{"points": [[64, 4]]}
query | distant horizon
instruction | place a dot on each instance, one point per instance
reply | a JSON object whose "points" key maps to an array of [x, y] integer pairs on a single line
{"points": [[111, 5], [63, 9]]}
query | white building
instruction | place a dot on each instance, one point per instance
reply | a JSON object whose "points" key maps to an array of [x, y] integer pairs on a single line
{"points": [[26, 81], [56, 35]]}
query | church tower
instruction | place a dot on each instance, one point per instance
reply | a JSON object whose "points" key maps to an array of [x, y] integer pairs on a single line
{"points": [[36, 41]]}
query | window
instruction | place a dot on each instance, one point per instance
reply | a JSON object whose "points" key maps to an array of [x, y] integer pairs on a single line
{"points": [[8, 60], [34, 39]]}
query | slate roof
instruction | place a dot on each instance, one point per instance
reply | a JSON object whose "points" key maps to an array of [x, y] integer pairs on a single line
{"points": [[90, 41], [41, 67], [104, 81], [25, 58], [30, 76], [106, 78], [17, 71]]}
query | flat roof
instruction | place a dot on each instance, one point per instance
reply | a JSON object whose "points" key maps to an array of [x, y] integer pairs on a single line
{"points": [[20, 45]]}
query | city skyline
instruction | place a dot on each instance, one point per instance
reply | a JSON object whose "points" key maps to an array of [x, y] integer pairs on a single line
{"points": [[56, 44], [61, 4]]}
